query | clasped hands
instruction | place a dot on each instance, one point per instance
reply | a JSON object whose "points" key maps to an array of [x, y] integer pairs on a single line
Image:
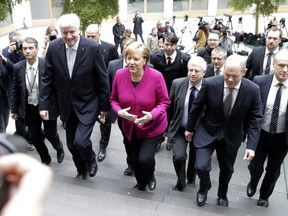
{"points": [[130, 117]]}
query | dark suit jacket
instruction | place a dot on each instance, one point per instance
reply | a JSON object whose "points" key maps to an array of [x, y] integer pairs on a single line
{"points": [[20, 92], [209, 70], [6, 77], [254, 62], [175, 111], [247, 108], [264, 82], [109, 52], [87, 91]]}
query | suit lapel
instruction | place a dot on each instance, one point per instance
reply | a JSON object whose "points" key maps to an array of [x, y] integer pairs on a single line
{"points": [[79, 55], [62, 57], [22, 72], [183, 92], [265, 87]]}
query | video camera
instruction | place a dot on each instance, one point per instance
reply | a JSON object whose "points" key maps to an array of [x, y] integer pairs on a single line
{"points": [[240, 20], [229, 16], [282, 22], [8, 144], [185, 18]]}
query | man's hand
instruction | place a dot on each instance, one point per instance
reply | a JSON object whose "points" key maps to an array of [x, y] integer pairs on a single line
{"points": [[126, 115], [188, 136], [14, 116], [146, 118], [12, 47], [249, 154], [4, 60], [102, 117], [44, 114]]}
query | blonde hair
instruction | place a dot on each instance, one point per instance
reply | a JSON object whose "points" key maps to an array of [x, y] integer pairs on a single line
{"points": [[138, 46]]}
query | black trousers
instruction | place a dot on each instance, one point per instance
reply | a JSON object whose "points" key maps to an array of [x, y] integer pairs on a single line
{"points": [[129, 158], [79, 142], [105, 130], [180, 156], [34, 122], [143, 153], [226, 162], [274, 148]]}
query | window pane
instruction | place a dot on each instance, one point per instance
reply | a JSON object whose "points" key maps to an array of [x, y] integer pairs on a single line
{"points": [[155, 6], [223, 4], [135, 5], [57, 7], [200, 4], [180, 5]]}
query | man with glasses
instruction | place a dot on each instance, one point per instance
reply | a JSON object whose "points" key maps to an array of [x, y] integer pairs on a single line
{"points": [[260, 59], [273, 142], [218, 58], [183, 92], [213, 41]]}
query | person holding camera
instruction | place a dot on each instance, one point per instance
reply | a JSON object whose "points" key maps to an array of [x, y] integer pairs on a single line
{"points": [[25, 102], [137, 30], [202, 34], [51, 34]]}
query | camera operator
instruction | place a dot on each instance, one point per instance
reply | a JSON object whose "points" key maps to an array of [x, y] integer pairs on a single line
{"points": [[168, 28], [13, 52], [51, 34], [202, 34], [219, 25], [213, 41], [227, 39]]}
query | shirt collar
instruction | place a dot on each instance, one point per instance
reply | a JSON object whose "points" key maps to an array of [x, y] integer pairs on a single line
{"points": [[197, 86], [274, 52], [236, 87], [34, 66], [173, 56], [275, 82]]}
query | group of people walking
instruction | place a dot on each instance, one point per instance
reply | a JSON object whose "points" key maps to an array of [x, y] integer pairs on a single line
{"points": [[204, 102]]}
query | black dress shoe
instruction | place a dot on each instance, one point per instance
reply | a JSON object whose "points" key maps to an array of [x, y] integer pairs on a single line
{"points": [[250, 190], [168, 146], [160, 142], [201, 198], [101, 154], [178, 187], [60, 156], [263, 203], [152, 183], [140, 187], [129, 171], [47, 162], [81, 175], [223, 202], [92, 168]]}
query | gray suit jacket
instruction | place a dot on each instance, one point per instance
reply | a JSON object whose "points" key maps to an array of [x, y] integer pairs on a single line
{"points": [[264, 82], [247, 108]]}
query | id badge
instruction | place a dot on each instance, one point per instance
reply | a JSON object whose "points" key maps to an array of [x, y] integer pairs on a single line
{"points": [[33, 98]]}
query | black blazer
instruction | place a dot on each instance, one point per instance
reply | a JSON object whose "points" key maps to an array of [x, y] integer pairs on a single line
{"points": [[20, 93], [6, 77], [254, 62], [87, 91], [209, 71], [109, 52], [247, 108], [264, 82]]}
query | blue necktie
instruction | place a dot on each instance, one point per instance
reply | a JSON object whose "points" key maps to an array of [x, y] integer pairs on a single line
{"points": [[268, 64], [275, 111], [191, 97]]}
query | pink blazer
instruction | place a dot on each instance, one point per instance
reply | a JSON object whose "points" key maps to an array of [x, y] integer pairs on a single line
{"points": [[149, 95]]}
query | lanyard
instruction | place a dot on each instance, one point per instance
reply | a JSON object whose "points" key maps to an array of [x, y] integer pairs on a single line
{"points": [[31, 86]]}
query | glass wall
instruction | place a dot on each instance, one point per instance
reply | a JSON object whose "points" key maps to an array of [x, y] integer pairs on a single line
{"points": [[57, 7], [223, 4], [180, 5], [135, 5], [40, 9], [155, 6], [200, 4]]}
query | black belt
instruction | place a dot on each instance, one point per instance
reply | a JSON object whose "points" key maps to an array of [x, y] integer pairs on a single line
{"points": [[274, 135]]}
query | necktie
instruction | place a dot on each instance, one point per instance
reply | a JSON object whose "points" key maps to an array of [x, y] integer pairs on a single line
{"points": [[31, 77], [168, 60], [191, 97], [217, 72], [70, 60], [275, 111], [268, 64], [228, 102]]}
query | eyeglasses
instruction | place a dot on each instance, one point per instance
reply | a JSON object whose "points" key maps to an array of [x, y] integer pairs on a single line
{"points": [[214, 40], [193, 70]]}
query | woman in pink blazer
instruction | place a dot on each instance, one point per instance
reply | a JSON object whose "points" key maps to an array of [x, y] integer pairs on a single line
{"points": [[139, 96]]}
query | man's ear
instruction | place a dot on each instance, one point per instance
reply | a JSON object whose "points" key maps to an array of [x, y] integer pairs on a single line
{"points": [[244, 72]]}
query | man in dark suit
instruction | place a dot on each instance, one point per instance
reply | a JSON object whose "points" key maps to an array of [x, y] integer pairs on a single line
{"points": [[228, 100], [25, 101], [109, 53], [273, 142], [260, 56], [218, 58], [171, 62], [183, 92], [75, 69], [6, 76]]}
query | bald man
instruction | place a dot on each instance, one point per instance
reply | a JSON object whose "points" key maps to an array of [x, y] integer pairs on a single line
{"points": [[229, 100]]}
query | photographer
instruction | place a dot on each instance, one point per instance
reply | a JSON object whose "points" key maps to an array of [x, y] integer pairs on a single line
{"points": [[30, 182], [51, 34], [227, 39], [219, 25], [13, 51], [137, 30], [202, 34]]}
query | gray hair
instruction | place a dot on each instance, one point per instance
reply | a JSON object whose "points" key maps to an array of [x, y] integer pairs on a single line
{"points": [[197, 60], [93, 28], [69, 20]]}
